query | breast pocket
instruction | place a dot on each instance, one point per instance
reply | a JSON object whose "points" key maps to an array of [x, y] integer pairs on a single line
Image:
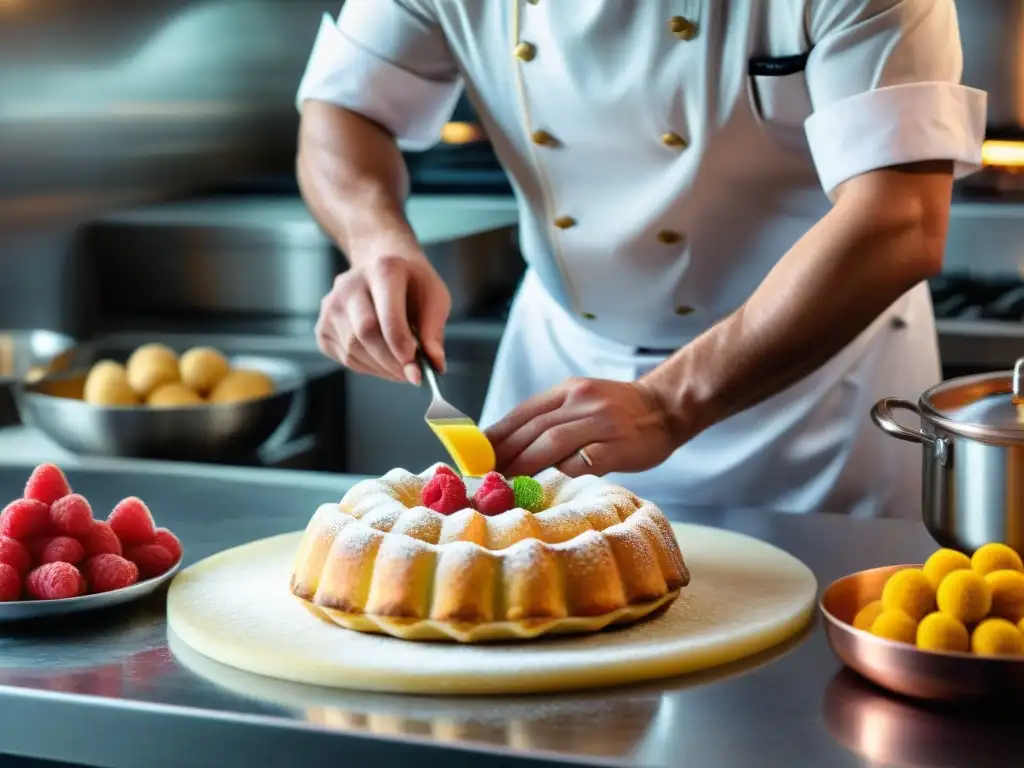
{"points": [[780, 97]]}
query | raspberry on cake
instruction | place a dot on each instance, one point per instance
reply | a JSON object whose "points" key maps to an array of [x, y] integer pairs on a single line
{"points": [[590, 556], [445, 493], [494, 495]]}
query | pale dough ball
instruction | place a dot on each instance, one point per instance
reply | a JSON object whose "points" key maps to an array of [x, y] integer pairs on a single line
{"points": [[150, 366], [241, 385], [173, 396], [107, 385], [202, 369]]}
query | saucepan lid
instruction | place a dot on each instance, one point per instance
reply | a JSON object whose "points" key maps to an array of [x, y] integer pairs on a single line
{"points": [[987, 406]]}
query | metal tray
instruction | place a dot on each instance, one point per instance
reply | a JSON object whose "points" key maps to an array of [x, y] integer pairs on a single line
{"points": [[902, 668]]}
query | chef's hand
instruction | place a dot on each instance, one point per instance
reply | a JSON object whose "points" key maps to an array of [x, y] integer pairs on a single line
{"points": [[622, 427], [365, 320]]}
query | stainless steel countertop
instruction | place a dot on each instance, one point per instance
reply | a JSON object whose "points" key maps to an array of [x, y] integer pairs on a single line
{"points": [[114, 690]]}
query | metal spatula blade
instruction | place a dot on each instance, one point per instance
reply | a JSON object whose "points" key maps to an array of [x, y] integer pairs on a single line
{"points": [[462, 438]]}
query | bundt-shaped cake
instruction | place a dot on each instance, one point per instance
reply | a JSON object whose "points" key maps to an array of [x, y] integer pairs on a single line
{"points": [[589, 555]]}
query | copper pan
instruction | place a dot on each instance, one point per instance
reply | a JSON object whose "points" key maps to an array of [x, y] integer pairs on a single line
{"points": [[901, 668], [892, 731]]}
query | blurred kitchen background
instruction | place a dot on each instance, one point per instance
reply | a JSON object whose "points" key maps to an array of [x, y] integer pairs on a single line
{"points": [[147, 193]]}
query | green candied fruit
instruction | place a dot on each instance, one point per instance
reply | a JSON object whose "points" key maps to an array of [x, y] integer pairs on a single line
{"points": [[529, 493]]}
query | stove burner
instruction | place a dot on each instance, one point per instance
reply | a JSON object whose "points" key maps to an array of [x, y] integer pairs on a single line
{"points": [[972, 297]]}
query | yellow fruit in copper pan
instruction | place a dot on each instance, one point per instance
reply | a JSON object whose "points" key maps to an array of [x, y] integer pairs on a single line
{"points": [[996, 557], [942, 563], [1007, 594], [941, 632], [866, 616], [997, 637], [965, 595], [895, 625], [909, 591]]}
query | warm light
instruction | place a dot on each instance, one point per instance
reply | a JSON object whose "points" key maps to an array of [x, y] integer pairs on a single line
{"points": [[462, 133], [1003, 153]]}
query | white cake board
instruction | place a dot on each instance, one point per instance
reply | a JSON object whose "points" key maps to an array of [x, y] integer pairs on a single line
{"points": [[745, 596]]}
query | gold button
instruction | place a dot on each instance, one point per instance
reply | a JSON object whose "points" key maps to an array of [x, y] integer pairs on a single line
{"points": [[669, 237], [673, 140], [565, 222], [683, 310], [526, 51], [682, 28], [543, 138], [588, 316]]}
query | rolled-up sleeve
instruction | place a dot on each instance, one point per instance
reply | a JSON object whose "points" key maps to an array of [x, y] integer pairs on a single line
{"points": [[884, 80], [388, 60]]}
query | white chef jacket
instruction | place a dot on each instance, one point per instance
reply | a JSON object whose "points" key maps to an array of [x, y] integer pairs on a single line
{"points": [[665, 154]]}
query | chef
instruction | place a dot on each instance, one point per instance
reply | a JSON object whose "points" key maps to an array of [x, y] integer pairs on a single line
{"points": [[727, 207]]}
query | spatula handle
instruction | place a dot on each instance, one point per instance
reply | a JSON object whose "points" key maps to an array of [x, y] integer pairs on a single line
{"points": [[426, 367]]}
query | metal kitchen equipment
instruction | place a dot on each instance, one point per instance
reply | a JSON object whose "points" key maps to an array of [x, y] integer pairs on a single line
{"points": [[205, 433], [902, 668], [28, 354], [972, 438], [254, 256]]}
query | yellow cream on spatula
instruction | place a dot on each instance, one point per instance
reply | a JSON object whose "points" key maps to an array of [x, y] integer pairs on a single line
{"points": [[462, 438], [467, 444]]}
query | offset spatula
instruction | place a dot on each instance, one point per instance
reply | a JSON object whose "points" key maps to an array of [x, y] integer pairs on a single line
{"points": [[462, 438]]}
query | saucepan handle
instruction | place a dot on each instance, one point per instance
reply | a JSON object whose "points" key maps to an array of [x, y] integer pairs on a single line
{"points": [[881, 414]]}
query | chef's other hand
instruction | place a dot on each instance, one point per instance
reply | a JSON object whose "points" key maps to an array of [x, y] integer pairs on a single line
{"points": [[622, 428], [365, 321]]}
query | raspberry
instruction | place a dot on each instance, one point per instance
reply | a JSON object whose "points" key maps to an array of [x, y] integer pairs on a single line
{"points": [[105, 573], [101, 540], [71, 515], [152, 559], [24, 518], [14, 554], [444, 493], [132, 522], [168, 541], [10, 583], [444, 469], [494, 495], [47, 484], [62, 549], [55, 581]]}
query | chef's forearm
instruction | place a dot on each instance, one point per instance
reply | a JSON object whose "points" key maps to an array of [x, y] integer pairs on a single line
{"points": [[354, 180], [885, 234]]}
